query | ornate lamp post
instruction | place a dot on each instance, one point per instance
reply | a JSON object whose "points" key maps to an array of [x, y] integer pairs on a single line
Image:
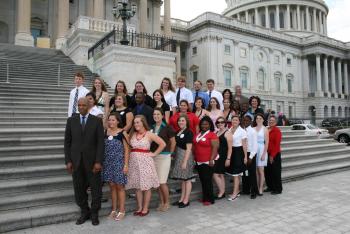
{"points": [[123, 10]]}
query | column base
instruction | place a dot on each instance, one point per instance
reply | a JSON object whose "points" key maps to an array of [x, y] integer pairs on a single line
{"points": [[24, 39], [60, 42], [319, 94]]}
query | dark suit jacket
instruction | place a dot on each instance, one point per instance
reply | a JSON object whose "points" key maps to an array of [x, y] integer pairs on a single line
{"points": [[243, 99], [87, 145], [146, 111]]}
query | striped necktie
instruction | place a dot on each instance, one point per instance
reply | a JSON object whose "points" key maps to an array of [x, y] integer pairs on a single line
{"points": [[75, 102]]}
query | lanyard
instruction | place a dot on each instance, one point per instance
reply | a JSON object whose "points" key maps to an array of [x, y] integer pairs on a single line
{"points": [[200, 137]]}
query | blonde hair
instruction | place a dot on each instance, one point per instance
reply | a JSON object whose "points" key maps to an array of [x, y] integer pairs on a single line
{"points": [[144, 123]]}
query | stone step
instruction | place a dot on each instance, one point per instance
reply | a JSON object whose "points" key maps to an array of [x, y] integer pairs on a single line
{"points": [[32, 171], [30, 161], [49, 124], [310, 148], [302, 173], [297, 138], [30, 150], [11, 104], [30, 141], [38, 216], [4, 93], [31, 132], [292, 133], [306, 142], [60, 108], [17, 102], [25, 118], [315, 154], [314, 162], [33, 114]]}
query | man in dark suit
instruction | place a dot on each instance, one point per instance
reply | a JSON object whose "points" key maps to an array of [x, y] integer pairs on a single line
{"points": [[84, 152], [142, 109], [239, 97]]}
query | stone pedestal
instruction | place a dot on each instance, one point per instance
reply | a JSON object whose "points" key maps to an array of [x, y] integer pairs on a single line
{"points": [[24, 39], [131, 64]]}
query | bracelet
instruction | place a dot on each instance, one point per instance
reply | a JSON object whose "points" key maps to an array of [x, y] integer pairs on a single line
{"points": [[228, 159]]}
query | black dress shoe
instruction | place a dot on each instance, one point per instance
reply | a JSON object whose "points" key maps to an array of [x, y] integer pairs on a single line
{"points": [[183, 205], [267, 190], [260, 194], [219, 198], [175, 203], [252, 196], [82, 219], [94, 220], [275, 192]]}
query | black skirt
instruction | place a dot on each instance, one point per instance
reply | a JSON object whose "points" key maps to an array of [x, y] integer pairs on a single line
{"points": [[219, 166], [237, 166]]}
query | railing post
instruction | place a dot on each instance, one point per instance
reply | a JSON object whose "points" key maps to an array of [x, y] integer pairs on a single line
{"points": [[59, 75], [7, 73]]}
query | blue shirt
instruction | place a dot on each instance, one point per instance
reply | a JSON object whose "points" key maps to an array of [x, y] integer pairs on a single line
{"points": [[86, 117], [203, 95]]}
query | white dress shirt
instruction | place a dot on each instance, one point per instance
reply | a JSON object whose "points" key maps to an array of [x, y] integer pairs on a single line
{"points": [[95, 111], [170, 99], [252, 138], [238, 136], [218, 96], [185, 94], [82, 91]]}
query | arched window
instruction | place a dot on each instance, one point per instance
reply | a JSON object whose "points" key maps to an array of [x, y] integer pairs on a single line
{"points": [[325, 111], [244, 76], [333, 111], [340, 112], [278, 81], [261, 79]]}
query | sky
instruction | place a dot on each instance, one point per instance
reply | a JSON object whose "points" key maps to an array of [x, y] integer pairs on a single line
{"points": [[338, 17]]}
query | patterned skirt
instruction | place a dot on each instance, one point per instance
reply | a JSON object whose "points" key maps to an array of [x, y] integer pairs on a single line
{"points": [[179, 174]]}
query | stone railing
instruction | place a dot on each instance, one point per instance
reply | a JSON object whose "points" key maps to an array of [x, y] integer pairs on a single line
{"points": [[97, 25], [176, 23], [327, 40]]}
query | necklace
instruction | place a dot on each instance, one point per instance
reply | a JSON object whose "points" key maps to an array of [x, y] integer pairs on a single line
{"points": [[142, 135], [180, 132]]}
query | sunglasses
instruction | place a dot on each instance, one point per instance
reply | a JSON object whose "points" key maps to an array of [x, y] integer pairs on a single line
{"points": [[220, 122]]}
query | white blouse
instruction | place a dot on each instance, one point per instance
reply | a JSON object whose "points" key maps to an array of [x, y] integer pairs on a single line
{"points": [[238, 136], [170, 99]]}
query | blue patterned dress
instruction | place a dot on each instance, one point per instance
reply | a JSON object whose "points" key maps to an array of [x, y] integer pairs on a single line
{"points": [[114, 160]]}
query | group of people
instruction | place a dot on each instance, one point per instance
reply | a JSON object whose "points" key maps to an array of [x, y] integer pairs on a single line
{"points": [[129, 141]]}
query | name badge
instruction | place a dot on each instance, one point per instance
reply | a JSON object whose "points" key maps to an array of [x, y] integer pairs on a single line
{"points": [[182, 136], [110, 138], [204, 139], [122, 113]]}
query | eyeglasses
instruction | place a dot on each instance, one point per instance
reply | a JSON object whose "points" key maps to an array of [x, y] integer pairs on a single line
{"points": [[220, 122]]}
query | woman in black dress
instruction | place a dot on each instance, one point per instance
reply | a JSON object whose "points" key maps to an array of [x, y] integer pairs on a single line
{"points": [[225, 148], [120, 88], [125, 114], [159, 101], [235, 162]]}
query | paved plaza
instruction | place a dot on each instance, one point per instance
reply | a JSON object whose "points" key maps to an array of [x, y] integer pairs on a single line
{"points": [[315, 205]]}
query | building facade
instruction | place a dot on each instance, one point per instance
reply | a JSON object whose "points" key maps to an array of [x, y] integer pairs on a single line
{"points": [[277, 49]]}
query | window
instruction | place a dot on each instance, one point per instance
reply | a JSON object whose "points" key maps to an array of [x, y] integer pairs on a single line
{"points": [[261, 79], [277, 59], [278, 81], [227, 49], [289, 61], [281, 20], [291, 111], [243, 74], [194, 76], [290, 83], [243, 52], [183, 54], [227, 77], [194, 50], [272, 20]]}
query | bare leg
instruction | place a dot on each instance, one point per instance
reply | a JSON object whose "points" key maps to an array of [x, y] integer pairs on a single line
{"points": [[236, 185], [113, 190], [183, 191], [121, 198], [165, 193], [220, 183], [139, 198], [146, 199], [262, 179], [161, 197], [188, 188]]}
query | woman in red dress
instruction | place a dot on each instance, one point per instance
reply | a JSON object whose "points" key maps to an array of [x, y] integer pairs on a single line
{"points": [[185, 109]]}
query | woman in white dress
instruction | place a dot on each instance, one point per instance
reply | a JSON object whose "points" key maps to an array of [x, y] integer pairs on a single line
{"points": [[261, 156], [169, 93]]}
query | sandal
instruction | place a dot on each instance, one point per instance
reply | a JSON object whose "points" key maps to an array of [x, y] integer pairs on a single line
{"points": [[120, 216], [165, 208], [160, 207], [112, 214]]}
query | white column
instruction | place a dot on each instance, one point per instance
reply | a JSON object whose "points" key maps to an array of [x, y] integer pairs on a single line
{"points": [[23, 36], [325, 78], [314, 20], [167, 17], [247, 16], [340, 78], [90, 8], [143, 21], [298, 18], [238, 17], [306, 75], [333, 76], [62, 22], [325, 23], [318, 73], [99, 9], [267, 17], [156, 17], [302, 23], [346, 79], [308, 23], [277, 18], [178, 60], [256, 15], [320, 22], [288, 18]]}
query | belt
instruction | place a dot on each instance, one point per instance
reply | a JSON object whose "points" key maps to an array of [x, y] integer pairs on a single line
{"points": [[140, 150], [261, 142]]}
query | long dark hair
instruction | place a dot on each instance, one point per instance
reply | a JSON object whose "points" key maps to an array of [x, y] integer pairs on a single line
{"points": [[217, 104], [194, 106], [118, 118], [254, 124], [125, 91], [144, 88], [171, 87]]}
